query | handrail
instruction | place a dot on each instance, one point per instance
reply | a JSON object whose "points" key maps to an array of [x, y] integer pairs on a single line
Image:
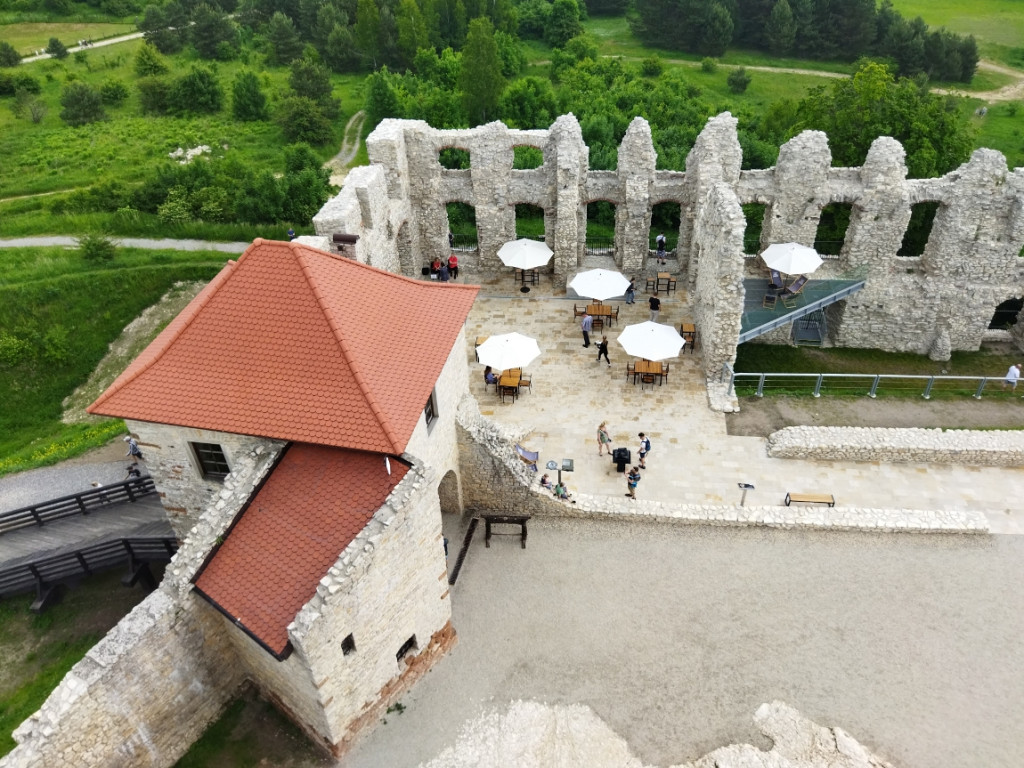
{"points": [[48, 571], [76, 504], [876, 380]]}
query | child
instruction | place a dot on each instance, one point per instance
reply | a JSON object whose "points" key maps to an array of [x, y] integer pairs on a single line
{"points": [[545, 482]]}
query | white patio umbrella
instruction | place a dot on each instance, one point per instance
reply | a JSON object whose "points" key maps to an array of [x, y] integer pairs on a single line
{"points": [[524, 253], [651, 341], [599, 284], [508, 350], [791, 258]]}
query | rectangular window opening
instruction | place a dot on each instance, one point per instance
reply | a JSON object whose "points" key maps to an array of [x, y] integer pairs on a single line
{"points": [[754, 214], [212, 463], [919, 229], [408, 645], [832, 226], [430, 409], [348, 645]]}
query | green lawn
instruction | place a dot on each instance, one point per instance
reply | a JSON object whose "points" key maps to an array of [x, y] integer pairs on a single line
{"points": [[27, 38], [1001, 128], [58, 315], [993, 21]]}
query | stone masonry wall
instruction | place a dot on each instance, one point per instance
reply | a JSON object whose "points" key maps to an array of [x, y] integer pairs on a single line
{"points": [[176, 473], [140, 696], [951, 446], [941, 300]]}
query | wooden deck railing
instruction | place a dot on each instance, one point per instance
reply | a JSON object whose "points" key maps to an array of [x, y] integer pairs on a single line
{"points": [[75, 504]]}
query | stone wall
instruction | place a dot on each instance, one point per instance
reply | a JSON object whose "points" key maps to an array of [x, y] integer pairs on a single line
{"points": [[933, 446], [942, 300], [172, 464], [140, 696]]}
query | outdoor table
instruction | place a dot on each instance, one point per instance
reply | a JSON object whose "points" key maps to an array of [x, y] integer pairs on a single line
{"points": [[519, 520], [602, 311], [525, 276], [508, 384], [649, 367], [665, 283]]}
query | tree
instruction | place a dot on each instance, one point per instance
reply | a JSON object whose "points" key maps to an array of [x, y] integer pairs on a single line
{"points": [[81, 104], [57, 49], [714, 30], [148, 61], [412, 30], [9, 57], [738, 80], [285, 45], [563, 24], [340, 53], [302, 119], [155, 95], [312, 79], [381, 101], [855, 111], [510, 51], [529, 102], [165, 26], [780, 31], [248, 101], [213, 33], [113, 92], [198, 91], [481, 81], [367, 31]]}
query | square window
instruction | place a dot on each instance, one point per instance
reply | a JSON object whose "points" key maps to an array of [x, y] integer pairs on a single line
{"points": [[430, 409], [348, 645], [408, 645], [212, 462]]}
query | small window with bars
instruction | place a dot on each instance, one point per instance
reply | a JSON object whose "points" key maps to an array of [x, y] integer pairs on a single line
{"points": [[212, 462]]}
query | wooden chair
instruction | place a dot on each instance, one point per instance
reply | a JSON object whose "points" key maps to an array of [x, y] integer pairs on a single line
{"points": [[631, 371], [647, 378], [598, 323], [664, 371], [770, 297], [512, 392], [529, 457], [614, 315], [775, 282], [524, 381], [578, 311], [789, 295], [652, 285]]}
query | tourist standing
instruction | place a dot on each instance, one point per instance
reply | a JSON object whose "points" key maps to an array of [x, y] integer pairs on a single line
{"points": [[602, 349], [644, 449], [1012, 377], [587, 325], [604, 440], [655, 304], [631, 291], [632, 479], [660, 240]]}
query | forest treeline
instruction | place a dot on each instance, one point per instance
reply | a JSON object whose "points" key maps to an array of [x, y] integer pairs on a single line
{"points": [[812, 29]]}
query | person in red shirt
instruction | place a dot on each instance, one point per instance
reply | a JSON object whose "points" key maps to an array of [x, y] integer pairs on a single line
{"points": [[453, 266], [435, 267]]}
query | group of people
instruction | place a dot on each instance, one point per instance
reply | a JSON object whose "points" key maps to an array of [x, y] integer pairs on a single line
{"points": [[604, 444], [445, 270], [558, 489]]}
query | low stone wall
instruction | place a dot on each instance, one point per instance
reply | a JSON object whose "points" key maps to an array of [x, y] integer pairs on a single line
{"points": [[503, 484], [934, 446]]}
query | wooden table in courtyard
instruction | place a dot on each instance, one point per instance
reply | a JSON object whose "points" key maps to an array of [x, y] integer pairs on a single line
{"points": [[603, 311], [508, 383], [648, 368]]}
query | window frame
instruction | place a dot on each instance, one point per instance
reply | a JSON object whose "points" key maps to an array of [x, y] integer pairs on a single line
{"points": [[430, 410], [209, 465]]}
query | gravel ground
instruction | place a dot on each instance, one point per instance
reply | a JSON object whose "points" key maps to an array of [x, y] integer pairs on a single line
{"points": [[35, 485], [675, 635]]}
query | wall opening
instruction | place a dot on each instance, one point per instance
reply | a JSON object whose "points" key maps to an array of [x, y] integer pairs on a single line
{"points": [[754, 214], [600, 227], [407, 646], [664, 220], [526, 158], [922, 216], [1006, 314], [529, 221], [348, 646], [448, 494], [453, 158], [462, 225], [832, 226]]}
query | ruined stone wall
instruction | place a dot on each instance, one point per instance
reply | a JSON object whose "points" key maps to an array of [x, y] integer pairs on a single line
{"points": [[140, 696], [172, 464]]}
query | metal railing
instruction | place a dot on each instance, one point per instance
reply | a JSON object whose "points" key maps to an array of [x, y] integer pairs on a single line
{"points": [[47, 572], [76, 504], [598, 245], [855, 383], [464, 243]]}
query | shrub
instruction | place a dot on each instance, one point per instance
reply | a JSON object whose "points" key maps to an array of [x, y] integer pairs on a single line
{"points": [[37, 110], [302, 119], [198, 91], [81, 57], [247, 99], [651, 67], [56, 344], [13, 350], [9, 57], [175, 209], [154, 95], [709, 65], [738, 80], [113, 92], [81, 105], [11, 83], [57, 49], [96, 248], [149, 62]]}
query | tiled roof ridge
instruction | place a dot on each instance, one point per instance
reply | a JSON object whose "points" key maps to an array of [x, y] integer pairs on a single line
{"points": [[186, 317], [299, 252]]}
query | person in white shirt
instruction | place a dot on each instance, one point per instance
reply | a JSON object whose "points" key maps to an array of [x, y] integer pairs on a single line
{"points": [[1012, 376]]}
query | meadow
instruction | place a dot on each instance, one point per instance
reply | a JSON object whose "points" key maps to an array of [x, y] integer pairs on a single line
{"points": [[29, 37]]}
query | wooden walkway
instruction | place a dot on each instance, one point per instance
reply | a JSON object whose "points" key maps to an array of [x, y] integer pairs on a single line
{"points": [[143, 518]]}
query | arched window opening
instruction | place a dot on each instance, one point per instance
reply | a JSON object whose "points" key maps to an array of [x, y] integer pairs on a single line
{"points": [[1006, 314]]}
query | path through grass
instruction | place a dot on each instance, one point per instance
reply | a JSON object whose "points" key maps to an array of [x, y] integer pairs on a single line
{"points": [[27, 38]]}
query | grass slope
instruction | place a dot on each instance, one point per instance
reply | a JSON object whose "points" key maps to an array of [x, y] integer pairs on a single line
{"points": [[27, 38]]}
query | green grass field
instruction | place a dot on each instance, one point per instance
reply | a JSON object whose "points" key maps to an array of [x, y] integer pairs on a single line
{"points": [[58, 314], [29, 37], [1001, 128], [993, 21]]}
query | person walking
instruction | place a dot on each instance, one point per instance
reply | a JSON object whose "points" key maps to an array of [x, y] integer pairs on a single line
{"points": [[660, 240], [1012, 376], [587, 325], [453, 266], [632, 480], [655, 304], [602, 349], [643, 450], [604, 440], [133, 448], [631, 291]]}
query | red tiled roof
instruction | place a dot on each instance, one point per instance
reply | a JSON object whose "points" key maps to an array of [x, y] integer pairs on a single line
{"points": [[294, 343], [310, 508]]}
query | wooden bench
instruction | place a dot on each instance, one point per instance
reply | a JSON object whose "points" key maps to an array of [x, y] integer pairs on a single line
{"points": [[811, 498], [519, 520]]}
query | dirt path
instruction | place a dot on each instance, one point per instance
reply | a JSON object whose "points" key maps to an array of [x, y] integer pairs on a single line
{"points": [[349, 147], [97, 44]]}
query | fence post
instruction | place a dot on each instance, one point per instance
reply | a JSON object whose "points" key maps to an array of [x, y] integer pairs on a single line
{"points": [[817, 385], [981, 386], [760, 386], [928, 388], [874, 386]]}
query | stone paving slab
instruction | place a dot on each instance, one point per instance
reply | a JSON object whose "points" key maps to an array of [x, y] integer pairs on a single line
{"points": [[693, 459]]}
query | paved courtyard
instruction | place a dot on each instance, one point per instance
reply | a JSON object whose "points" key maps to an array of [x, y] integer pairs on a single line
{"points": [[674, 636], [693, 459]]}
